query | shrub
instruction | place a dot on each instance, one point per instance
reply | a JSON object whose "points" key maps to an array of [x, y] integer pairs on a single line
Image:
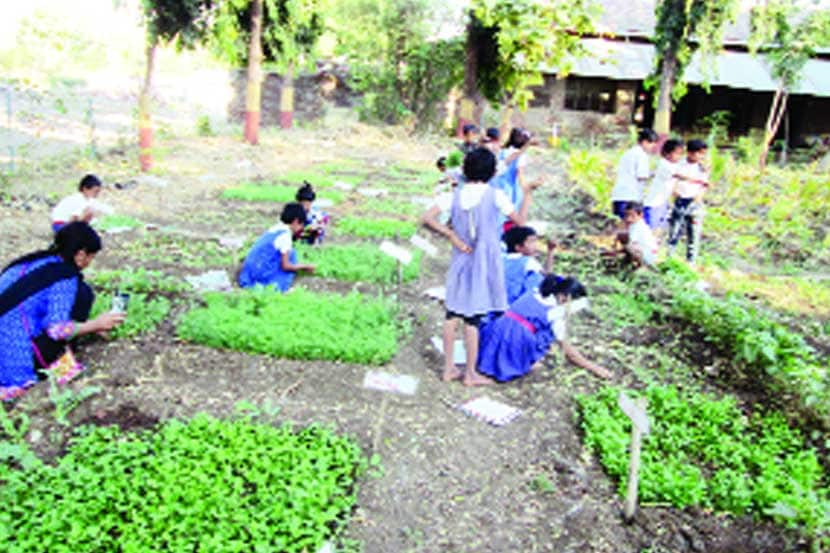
{"points": [[296, 325], [591, 170], [206, 484]]}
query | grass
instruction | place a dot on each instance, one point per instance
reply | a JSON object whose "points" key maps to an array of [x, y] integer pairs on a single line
{"points": [[375, 228], [272, 193], [357, 263]]}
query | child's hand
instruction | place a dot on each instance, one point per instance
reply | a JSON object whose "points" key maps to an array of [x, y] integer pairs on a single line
{"points": [[309, 268], [460, 244], [552, 244], [533, 185]]}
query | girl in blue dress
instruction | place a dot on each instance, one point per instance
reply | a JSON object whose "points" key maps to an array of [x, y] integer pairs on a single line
{"points": [[272, 260], [475, 280], [44, 305], [316, 220], [515, 343]]}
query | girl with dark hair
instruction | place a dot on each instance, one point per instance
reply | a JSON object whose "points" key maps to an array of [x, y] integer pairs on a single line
{"points": [[522, 271], [272, 260], [82, 205], [316, 220], [44, 304], [512, 161], [515, 343], [475, 280]]}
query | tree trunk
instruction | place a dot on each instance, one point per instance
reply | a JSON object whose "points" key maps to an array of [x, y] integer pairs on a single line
{"points": [[287, 98], [145, 128], [662, 115], [776, 112], [471, 105], [254, 84]]}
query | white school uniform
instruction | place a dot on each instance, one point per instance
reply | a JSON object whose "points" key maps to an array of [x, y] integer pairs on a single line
{"points": [[660, 190], [75, 205], [633, 167], [639, 235]]}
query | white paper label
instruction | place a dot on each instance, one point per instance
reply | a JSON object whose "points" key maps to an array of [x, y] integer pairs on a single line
{"points": [[393, 250]]}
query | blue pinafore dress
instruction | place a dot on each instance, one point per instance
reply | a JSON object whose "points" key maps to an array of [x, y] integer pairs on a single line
{"points": [[475, 281], [263, 265], [511, 344]]}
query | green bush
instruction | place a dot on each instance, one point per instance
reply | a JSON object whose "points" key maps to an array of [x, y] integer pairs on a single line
{"points": [[591, 171], [357, 263], [202, 485], [375, 228], [297, 325], [144, 313], [707, 453]]}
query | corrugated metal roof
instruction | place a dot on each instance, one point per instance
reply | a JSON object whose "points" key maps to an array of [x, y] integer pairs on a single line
{"points": [[621, 60]]}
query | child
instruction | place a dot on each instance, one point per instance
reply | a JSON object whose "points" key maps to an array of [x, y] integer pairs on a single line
{"points": [[511, 177], [80, 206], [522, 272], [687, 213], [633, 172], [641, 245], [515, 343], [475, 280], [469, 133], [272, 260], [656, 203], [315, 220]]}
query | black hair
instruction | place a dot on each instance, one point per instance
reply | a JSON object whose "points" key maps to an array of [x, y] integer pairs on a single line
{"points": [[89, 182], [479, 165], [468, 128], [69, 240], [647, 135], [493, 133], [516, 236], [669, 146], [636, 207], [292, 212], [696, 145], [569, 286], [305, 193], [518, 138], [441, 163]]}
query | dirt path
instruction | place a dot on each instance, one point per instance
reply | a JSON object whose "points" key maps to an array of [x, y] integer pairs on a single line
{"points": [[449, 483]]}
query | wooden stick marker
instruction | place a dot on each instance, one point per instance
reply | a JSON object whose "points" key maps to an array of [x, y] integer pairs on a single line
{"points": [[636, 411]]}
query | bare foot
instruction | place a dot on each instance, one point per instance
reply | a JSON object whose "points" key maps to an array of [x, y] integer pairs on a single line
{"points": [[473, 378], [451, 374]]}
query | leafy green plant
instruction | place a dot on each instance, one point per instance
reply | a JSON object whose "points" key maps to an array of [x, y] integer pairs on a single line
{"points": [[590, 170], [323, 176], [272, 193], [397, 207], [178, 251], [144, 313], [296, 325], [357, 263], [109, 222], [624, 309], [705, 452], [140, 280], [249, 487], [64, 399], [375, 228]]}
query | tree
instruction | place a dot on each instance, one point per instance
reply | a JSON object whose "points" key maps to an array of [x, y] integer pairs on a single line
{"points": [[280, 32], [402, 69], [182, 22], [509, 43], [684, 26], [787, 37]]}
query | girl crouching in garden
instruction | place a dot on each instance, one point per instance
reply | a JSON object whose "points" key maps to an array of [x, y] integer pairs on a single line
{"points": [[513, 344]]}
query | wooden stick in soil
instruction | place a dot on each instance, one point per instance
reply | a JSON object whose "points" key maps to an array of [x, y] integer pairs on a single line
{"points": [[636, 411]]}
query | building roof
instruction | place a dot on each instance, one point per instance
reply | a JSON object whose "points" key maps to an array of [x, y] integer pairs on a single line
{"points": [[622, 60]]}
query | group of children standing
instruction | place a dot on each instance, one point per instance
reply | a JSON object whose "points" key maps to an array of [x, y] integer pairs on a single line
{"points": [[667, 203], [512, 312]]}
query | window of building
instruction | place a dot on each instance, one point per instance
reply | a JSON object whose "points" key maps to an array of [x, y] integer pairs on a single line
{"points": [[590, 94]]}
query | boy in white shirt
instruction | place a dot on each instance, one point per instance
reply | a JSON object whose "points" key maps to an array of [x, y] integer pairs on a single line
{"points": [[656, 203], [641, 245], [687, 213], [633, 171], [81, 206]]}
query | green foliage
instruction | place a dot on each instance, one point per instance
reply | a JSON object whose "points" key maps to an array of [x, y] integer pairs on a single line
{"points": [[375, 228], [705, 452], [591, 170], [357, 263], [772, 354], [296, 325], [625, 309], [394, 206], [138, 280], [109, 222], [402, 72], [271, 193], [529, 36], [454, 159], [290, 30], [144, 313], [203, 127], [249, 487], [178, 251], [183, 22], [64, 399], [684, 26]]}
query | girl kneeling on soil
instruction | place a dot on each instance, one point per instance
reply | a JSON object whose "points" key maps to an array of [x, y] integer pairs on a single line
{"points": [[316, 220], [272, 260], [44, 305], [515, 343], [81, 206]]}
